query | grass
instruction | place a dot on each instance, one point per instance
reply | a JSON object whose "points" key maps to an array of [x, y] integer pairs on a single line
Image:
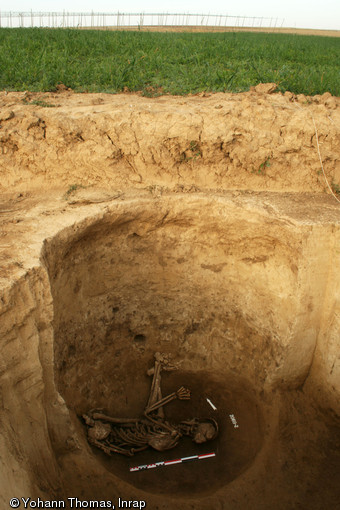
{"points": [[176, 63], [335, 188], [72, 189], [39, 102]]}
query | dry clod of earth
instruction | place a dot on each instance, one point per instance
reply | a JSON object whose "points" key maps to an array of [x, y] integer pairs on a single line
{"points": [[198, 226], [265, 88]]}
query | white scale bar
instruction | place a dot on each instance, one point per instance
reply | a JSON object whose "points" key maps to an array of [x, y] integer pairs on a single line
{"points": [[212, 405], [172, 462]]}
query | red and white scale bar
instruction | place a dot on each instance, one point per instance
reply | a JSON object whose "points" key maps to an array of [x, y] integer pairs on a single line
{"points": [[172, 462]]}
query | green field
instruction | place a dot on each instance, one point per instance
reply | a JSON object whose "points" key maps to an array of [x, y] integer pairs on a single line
{"points": [[175, 63]]}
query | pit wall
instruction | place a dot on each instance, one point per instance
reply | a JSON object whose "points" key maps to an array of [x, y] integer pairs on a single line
{"points": [[27, 463], [254, 141], [324, 377], [289, 302], [232, 294]]}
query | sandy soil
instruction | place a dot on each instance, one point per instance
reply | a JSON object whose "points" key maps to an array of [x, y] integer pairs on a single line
{"points": [[201, 226], [254, 141], [271, 30]]}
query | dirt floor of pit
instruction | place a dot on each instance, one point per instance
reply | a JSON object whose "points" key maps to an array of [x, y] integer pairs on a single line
{"points": [[63, 164], [301, 451], [235, 447]]}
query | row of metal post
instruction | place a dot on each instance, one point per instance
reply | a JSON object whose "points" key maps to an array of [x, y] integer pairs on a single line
{"points": [[120, 20]]}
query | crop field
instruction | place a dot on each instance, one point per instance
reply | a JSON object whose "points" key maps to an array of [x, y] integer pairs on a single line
{"points": [[175, 63]]}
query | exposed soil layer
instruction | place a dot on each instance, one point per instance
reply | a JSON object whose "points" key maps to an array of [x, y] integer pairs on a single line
{"points": [[180, 248], [271, 30], [251, 141]]}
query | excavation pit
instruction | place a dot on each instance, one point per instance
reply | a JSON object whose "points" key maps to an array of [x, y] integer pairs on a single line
{"points": [[226, 292], [114, 246], [129, 285], [236, 288]]}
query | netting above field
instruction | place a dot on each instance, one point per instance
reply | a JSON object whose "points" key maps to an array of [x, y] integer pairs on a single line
{"points": [[138, 20]]}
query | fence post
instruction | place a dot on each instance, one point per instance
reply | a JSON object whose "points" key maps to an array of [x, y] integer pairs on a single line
{"points": [[80, 19]]}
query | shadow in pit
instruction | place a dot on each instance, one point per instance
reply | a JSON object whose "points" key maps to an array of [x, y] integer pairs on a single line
{"points": [[240, 438]]}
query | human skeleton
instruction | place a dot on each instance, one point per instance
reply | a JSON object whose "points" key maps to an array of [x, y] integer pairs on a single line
{"points": [[129, 436]]}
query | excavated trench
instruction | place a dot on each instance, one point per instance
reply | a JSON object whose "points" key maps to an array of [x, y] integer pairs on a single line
{"points": [[227, 293], [195, 226]]}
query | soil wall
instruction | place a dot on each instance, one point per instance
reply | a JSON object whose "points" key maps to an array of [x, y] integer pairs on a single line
{"points": [[250, 141]]}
